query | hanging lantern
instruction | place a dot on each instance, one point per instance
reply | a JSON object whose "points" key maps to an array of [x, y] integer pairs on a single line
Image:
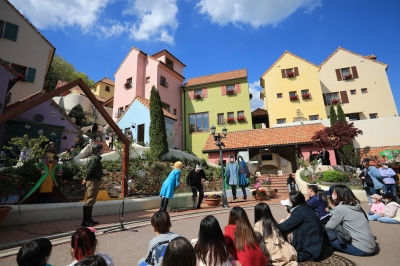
{"points": [[64, 137], [52, 113], [27, 126], [53, 134], [40, 132], [73, 119]]}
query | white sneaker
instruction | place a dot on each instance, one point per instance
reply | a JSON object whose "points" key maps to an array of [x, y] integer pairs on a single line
{"points": [[369, 204]]}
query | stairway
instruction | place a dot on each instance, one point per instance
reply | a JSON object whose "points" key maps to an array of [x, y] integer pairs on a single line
{"points": [[279, 183]]}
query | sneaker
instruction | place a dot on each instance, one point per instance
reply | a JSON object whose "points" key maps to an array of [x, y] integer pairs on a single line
{"points": [[369, 204]]}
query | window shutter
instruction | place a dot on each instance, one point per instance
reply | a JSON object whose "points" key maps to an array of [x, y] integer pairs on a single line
{"points": [[343, 96], [338, 74], [237, 88], [10, 32], [283, 71], [354, 71], [30, 76], [296, 71], [325, 102], [191, 95], [204, 92], [223, 90]]}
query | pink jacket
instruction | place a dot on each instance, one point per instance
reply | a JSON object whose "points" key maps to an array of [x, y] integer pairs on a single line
{"points": [[378, 207]]}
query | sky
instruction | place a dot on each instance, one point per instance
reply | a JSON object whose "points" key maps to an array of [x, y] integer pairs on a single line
{"points": [[212, 36]]}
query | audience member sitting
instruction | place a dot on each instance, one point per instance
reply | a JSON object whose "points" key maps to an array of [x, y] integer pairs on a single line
{"points": [[242, 241], [95, 260], [291, 183], [391, 214], [210, 246], [305, 227], [35, 253], [352, 221], [83, 244], [318, 204], [388, 175], [377, 208], [179, 253], [277, 249], [161, 224]]}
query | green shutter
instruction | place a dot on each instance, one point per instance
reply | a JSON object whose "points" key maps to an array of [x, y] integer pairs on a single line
{"points": [[30, 77], [10, 32]]}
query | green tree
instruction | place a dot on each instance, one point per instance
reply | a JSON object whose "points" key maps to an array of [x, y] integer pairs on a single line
{"points": [[37, 146], [347, 153], [61, 69], [340, 114], [78, 113], [333, 115], [158, 131]]}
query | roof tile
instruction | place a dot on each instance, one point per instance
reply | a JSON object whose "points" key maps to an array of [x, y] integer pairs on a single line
{"points": [[229, 75], [259, 112]]}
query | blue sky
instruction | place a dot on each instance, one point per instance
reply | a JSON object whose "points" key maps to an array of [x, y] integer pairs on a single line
{"points": [[212, 36]]}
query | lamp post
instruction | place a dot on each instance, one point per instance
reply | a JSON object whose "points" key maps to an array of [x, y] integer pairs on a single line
{"points": [[218, 138]]}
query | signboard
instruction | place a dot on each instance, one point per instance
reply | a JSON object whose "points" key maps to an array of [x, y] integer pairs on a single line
{"points": [[284, 162], [245, 155]]}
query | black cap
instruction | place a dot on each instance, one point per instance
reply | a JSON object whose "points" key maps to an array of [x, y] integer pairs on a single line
{"points": [[366, 160]]}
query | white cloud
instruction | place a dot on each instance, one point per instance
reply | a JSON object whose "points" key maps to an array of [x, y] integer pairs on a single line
{"points": [[45, 14], [115, 28], [156, 19], [255, 89], [254, 12]]}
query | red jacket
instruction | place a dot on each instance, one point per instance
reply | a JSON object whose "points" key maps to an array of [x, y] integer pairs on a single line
{"points": [[248, 257]]}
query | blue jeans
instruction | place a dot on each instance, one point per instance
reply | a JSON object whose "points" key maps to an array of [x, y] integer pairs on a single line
{"points": [[373, 217], [388, 220], [390, 189], [349, 249]]}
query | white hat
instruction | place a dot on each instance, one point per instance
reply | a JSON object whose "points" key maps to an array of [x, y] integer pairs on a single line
{"points": [[198, 167], [286, 202]]}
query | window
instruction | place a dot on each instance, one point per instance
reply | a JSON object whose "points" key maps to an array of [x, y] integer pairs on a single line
{"points": [[20, 69], [147, 80], [126, 107], [108, 88], [240, 113], [332, 97], [373, 116], [94, 89], [353, 92], [10, 32], [279, 95], [198, 122], [163, 81], [1, 28], [230, 89], [292, 93], [221, 119], [126, 130], [165, 106], [119, 113], [198, 94], [281, 121], [30, 76], [128, 83], [353, 117], [346, 73], [305, 92], [313, 117], [174, 111], [289, 70], [364, 91], [169, 64]]}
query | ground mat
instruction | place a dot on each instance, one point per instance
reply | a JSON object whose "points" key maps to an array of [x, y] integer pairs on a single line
{"points": [[330, 259]]}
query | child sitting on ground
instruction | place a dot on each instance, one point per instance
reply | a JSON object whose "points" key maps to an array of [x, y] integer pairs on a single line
{"points": [[36, 252], [157, 246], [377, 208]]}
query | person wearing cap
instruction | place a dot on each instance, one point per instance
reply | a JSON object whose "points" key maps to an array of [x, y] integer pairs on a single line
{"points": [[195, 179], [388, 176], [377, 208], [371, 173], [231, 173], [318, 204], [92, 181]]}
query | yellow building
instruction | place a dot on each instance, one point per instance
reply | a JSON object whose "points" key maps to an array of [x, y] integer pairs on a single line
{"points": [[104, 88], [292, 91], [221, 100]]}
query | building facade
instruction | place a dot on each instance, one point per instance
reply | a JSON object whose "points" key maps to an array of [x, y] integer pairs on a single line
{"points": [[139, 72], [26, 50], [221, 100], [292, 90], [103, 88], [359, 83]]}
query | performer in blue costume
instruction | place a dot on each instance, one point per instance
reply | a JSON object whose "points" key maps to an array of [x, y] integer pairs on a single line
{"points": [[168, 186], [244, 173]]}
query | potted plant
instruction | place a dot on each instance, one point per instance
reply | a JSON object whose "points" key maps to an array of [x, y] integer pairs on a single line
{"points": [[294, 97], [241, 118], [230, 120], [306, 96], [212, 200], [290, 74], [230, 91], [198, 96], [349, 76], [260, 194], [128, 85], [7, 185], [335, 101]]}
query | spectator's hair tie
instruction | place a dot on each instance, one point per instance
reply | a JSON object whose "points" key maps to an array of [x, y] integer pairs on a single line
{"points": [[92, 229]]}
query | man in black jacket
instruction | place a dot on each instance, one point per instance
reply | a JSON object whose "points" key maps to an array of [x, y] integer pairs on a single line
{"points": [[195, 179]]}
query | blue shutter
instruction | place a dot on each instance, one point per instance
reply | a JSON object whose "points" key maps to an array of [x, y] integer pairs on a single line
{"points": [[10, 32], [30, 77]]}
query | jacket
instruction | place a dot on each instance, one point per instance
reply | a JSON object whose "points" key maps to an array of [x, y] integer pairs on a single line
{"points": [[172, 181], [194, 178], [278, 251], [375, 175], [392, 210], [231, 172], [307, 233], [94, 168]]}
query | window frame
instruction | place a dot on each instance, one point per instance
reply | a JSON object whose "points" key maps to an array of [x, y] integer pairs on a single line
{"points": [[147, 80], [303, 92], [10, 37], [162, 78], [165, 106], [364, 91], [281, 120], [198, 92], [353, 115], [220, 118], [174, 111], [351, 92], [331, 93], [169, 63], [129, 83], [195, 121], [343, 75], [109, 89], [18, 65], [279, 95], [229, 89], [309, 117], [373, 114]]}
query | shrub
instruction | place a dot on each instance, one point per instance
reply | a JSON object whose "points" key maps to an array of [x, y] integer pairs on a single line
{"points": [[334, 177], [70, 170]]}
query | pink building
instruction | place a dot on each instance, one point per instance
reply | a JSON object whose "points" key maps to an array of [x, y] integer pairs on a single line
{"points": [[137, 74]]}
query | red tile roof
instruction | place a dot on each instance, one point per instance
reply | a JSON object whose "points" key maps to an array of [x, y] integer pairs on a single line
{"points": [[369, 57], [106, 81], [229, 75], [108, 101], [265, 137], [259, 112], [146, 103]]}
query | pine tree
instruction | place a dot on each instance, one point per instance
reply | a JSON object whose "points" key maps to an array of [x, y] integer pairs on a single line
{"points": [[158, 132], [340, 114], [348, 154], [333, 116]]}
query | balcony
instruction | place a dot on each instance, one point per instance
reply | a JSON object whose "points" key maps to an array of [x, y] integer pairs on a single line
{"points": [[294, 97], [306, 96], [290, 74], [241, 118]]}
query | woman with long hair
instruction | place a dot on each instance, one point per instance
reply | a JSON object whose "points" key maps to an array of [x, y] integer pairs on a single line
{"points": [[278, 250], [242, 241], [210, 246], [305, 227], [352, 221], [179, 253]]}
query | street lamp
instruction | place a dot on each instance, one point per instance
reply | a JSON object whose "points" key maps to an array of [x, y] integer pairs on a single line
{"points": [[218, 138]]}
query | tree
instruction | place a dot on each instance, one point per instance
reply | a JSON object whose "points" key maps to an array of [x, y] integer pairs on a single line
{"points": [[333, 115], [349, 156], [340, 114], [78, 113], [61, 69], [158, 131]]}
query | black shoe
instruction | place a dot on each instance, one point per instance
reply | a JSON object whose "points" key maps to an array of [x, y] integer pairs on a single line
{"points": [[198, 207], [165, 205], [234, 198], [90, 216], [162, 204], [245, 197], [86, 216], [87, 223]]}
